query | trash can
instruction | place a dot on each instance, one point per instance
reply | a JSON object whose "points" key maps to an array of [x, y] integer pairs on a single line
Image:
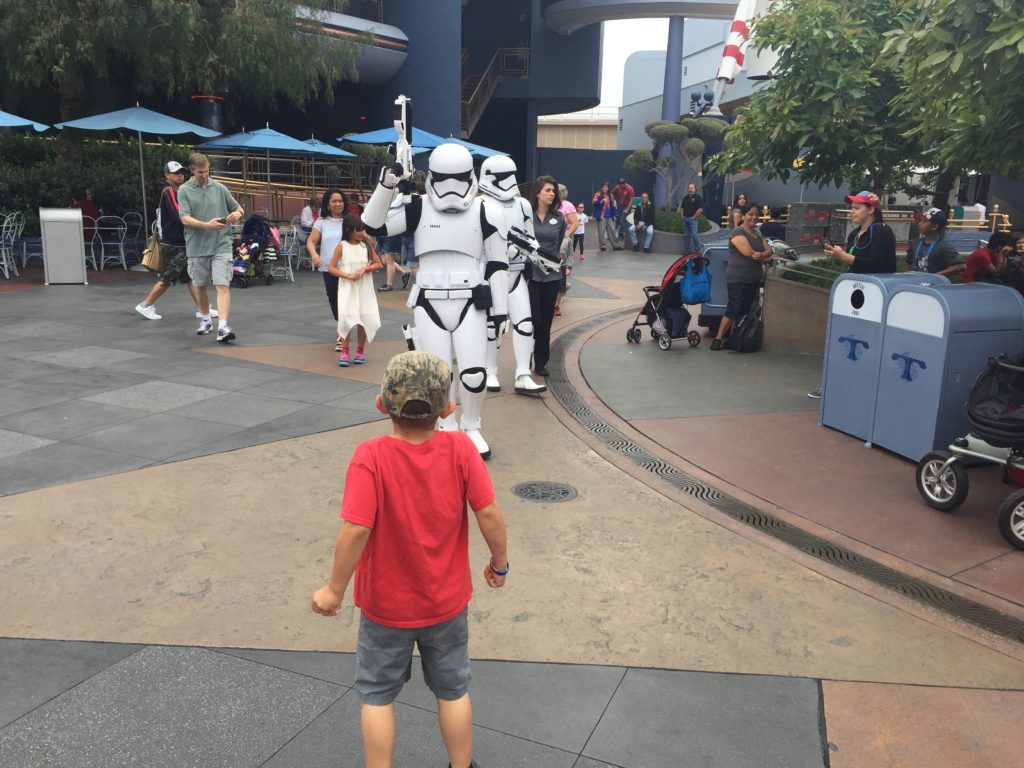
{"points": [[853, 348], [63, 246], [937, 340], [712, 312]]}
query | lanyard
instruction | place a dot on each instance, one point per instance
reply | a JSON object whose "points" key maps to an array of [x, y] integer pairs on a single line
{"points": [[928, 256]]}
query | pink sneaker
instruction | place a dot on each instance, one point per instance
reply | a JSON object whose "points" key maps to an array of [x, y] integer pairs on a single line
{"points": [[343, 360], [360, 357]]}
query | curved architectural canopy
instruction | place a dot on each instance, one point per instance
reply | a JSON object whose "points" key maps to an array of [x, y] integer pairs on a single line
{"points": [[566, 16]]}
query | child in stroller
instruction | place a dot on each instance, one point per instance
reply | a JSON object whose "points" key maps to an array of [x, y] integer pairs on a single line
{"points": [[256, 253], [663, 311]]}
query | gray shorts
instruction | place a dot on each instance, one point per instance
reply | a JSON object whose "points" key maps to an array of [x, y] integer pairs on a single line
{"points": [[210, 270], [384, 659]]}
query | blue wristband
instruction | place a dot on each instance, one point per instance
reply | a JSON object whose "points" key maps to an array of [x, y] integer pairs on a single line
{"points": [[495, 570]]}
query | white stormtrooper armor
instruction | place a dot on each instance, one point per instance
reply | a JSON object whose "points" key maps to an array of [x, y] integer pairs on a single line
{"points": [[453, 233], [498, 182]]}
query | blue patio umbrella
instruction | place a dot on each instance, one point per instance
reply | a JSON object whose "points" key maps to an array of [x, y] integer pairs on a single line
{"points": [[140, 120], [476, 150], [420, 138], [7, 120], [268, 140]]}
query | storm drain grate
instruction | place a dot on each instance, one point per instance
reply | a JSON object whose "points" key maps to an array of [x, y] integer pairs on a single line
{"points": [[544, 491], [968, 610]]}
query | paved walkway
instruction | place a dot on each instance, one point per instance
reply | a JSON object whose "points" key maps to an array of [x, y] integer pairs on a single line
{"points": [[170, 504]]}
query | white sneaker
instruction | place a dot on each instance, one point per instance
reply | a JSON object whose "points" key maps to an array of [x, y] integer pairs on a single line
{"points": [[148, 312], [525, 385], [493, 385], [479, 442], [204, 327], [199, 315], [225, 334]]}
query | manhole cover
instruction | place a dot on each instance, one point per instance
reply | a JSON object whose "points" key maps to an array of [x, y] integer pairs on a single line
{"points": [[541, 490]]}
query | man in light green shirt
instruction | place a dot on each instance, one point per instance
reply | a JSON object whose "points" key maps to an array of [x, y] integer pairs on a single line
{"points": [[208, 210]]}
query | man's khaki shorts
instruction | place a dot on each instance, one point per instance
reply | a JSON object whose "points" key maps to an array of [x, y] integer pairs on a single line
{"points": [[210, 270]]}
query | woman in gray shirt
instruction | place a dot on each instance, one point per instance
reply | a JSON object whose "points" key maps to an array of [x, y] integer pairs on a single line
{"points": [[549, 229], [748, 253]]}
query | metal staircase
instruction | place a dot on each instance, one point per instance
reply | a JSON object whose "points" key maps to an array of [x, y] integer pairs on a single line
{"points": [[477, 90]]}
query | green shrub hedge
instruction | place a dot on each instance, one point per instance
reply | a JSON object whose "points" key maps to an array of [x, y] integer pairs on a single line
{"points": [[34, 174], [669, 221]]}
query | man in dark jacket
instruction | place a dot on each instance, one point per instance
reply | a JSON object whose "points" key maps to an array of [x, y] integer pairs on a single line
{"points": [[643, 222], [172, 246]]}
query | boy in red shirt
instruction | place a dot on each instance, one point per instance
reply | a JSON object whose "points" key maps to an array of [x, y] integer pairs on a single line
{"points": [[406, 536]]}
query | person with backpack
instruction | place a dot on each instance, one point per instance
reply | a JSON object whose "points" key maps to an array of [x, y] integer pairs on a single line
{"points": [[171, 235], [748, 253]]}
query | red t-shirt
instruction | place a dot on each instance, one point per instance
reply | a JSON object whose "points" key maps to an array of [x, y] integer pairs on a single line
{"points": [[977, 266], [414, 571]]}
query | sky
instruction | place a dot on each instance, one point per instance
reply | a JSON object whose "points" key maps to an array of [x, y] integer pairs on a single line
{"points": [[621, 38]]}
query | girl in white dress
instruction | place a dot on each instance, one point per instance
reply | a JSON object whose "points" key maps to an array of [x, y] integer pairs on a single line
{"points": [[353, 261]]}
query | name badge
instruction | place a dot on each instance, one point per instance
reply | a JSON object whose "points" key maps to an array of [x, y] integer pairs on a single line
{"points": [[553, 222]]}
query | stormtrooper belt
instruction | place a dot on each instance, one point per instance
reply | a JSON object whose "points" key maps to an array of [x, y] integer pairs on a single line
{"points": [[447, 293]]}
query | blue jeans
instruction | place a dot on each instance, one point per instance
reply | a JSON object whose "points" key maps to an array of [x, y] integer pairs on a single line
{"points": [[691, 240], [647, 239]]}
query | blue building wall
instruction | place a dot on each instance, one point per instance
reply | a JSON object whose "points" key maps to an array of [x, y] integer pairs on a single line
{"points": [[583, 171], [432, 74]]}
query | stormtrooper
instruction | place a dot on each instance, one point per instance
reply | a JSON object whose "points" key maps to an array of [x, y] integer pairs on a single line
{"points": [[498, 181], [453, 232]]}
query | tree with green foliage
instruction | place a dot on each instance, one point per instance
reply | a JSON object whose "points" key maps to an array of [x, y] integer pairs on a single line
{"points": [[963, 65], [828, 114], [685, 141], [259, 51]]}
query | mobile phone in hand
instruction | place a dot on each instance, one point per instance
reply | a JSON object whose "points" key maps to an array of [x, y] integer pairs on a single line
{"points": [[222, 221]]}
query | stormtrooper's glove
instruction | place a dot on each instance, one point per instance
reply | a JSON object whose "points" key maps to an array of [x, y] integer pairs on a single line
{"points": [[390, 175], [501, 324]]}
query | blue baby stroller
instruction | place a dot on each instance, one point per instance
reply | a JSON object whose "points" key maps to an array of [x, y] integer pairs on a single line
{"points": [[256, 253]]}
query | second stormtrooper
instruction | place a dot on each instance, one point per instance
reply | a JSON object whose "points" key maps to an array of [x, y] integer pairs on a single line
{"points": [[498, 181], [452, 233]]}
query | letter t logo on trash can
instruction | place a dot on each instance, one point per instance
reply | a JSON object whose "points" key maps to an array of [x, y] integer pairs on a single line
{"points": [[854, 349], [909, 373]]}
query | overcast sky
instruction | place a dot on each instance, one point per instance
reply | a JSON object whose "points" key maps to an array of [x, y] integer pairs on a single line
{"points": [[621, 38]]}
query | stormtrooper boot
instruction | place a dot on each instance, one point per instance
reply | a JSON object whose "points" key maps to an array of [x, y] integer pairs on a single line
{"points": [[525, 385], [493, 385], [479, 442]]}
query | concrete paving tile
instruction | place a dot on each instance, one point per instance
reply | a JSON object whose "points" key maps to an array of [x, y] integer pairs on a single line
{"points": [[71, 418], [586, 762], [34, 327], [177, 707], [334, 739], [13, 443], [1003, 576], [557, 705], [61, 463], [241, 410], [155, 396], [229, 378], [902, 726], [161, 366], [337, 668], [78, 382], [85, 357], [307, 388], [157, 437], [363, 400], [319, 418], [16, 399], [268, 338], [667, 719], [28, 346], [15, 368], [34, 671], [244, 439]]}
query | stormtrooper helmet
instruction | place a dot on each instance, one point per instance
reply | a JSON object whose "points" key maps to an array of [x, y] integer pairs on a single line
{"points": [[498, 177], [451, 183]]}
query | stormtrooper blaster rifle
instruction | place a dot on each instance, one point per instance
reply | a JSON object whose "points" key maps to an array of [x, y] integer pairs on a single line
{"points": [[403, 146], [543, 260]]}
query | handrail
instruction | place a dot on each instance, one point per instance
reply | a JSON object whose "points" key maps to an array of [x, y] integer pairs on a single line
{"points": [[506, 61]]}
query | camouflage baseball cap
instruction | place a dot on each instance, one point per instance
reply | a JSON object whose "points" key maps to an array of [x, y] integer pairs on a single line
{"points": [[416, 376]]}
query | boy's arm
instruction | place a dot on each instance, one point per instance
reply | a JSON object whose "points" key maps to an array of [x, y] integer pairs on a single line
{"points": [[492, 526], [348, 549]]}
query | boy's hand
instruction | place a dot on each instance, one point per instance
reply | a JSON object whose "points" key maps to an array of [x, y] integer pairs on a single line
{"points": [[493, 579], [326, 601]]}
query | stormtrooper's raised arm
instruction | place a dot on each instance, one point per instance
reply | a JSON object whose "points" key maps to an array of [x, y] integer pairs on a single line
{"points": [[495, 256], [381, 217]]}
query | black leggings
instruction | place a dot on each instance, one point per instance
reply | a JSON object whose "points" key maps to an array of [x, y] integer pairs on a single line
{"points": [[542, 309], [331, 286], [577, 242]]}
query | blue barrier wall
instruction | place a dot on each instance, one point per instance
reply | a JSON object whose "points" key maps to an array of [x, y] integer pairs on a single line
{"points": [[584, 170]]}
